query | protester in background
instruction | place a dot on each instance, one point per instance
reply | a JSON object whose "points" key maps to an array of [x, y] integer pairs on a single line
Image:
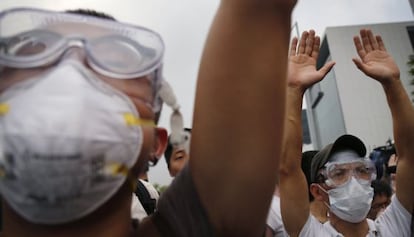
{"points": [[382, 198], [298, 70], [317, 208], [391, 171], [177, 157], [79, 98], [339, 170]]}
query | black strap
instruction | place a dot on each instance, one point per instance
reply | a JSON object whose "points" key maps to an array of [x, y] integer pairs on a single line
{"points": [[145, 198]]}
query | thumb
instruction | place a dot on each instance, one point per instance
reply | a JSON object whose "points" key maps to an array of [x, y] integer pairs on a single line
{"points": [[359, 64], [326, 68]]}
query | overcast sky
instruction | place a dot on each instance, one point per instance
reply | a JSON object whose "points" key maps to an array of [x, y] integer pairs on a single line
{"points": [[184, 24]]}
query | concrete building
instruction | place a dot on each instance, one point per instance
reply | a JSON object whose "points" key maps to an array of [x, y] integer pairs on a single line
{"points": [[347, 101]]}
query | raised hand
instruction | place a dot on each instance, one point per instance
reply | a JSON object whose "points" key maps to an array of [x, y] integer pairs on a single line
{"points": [[374, 59], [302, 71]]}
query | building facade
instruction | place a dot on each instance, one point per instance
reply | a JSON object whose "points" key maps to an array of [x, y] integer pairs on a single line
{"points": [[347, 101]]}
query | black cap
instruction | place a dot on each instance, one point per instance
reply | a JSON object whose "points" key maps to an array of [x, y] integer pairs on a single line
{"points": [[344, 142]]}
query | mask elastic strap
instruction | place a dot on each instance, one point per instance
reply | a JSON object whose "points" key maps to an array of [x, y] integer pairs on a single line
{"points": [[166, 93], [323, 190], [116, 169], [4, 109]]}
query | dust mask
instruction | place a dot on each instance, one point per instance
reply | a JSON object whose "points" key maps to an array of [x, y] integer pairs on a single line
{"points": [[67, 143]]}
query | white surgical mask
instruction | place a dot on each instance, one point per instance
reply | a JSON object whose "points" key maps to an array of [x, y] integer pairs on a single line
{"points": [[352, 201], [67, 143]]}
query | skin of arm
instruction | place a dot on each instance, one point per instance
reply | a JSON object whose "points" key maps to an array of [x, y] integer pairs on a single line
{"points": [[377, 63], [239, 113], [302, 74]]}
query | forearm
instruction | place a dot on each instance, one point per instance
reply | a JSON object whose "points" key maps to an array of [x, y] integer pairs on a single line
{"points": [[292, 143], [403, 117], [239, 114], [403, 122], [293, 185]]}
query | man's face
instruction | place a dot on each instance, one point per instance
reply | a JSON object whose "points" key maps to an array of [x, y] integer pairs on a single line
{"points": [[139, 90], [177, 161], [379, 203]]}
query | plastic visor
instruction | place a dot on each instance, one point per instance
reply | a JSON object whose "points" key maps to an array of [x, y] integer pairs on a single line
{"points": [[339, 173], [114, 49]]}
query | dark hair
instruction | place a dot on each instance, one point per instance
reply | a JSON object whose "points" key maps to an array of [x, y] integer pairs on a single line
{"points": [[168, 150], [306, 168], [380, 156], [89, 12], [381, 188]]}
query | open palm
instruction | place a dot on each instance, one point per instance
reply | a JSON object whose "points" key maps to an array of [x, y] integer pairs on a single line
{"points": [[302, 71], [374, 59]]}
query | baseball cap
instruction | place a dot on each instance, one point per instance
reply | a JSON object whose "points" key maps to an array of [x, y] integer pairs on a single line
{"points": [[344, 142]]}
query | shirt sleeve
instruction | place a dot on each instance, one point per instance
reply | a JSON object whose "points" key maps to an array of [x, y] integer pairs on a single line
{"points": [[395, 220], [274, 218], [180, 212]]}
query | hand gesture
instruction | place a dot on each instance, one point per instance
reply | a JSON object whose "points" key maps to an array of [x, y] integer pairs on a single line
{"points": [[302, 71], [374, 60]]}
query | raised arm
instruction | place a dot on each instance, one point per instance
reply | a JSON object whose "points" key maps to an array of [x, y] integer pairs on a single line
{"points": [[302, 74], [376, 63], [239, 113]]}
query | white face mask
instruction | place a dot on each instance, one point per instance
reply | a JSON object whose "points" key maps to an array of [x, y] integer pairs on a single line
{"points": [[67, 143], [352, 201]]}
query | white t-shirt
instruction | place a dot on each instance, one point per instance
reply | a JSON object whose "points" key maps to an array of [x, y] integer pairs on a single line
{"points": [[137, 210], [394, 221], [274, 218]]}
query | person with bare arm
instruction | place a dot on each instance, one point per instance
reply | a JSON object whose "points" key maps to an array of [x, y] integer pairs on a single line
{"points": [[79, 98], [341, 174], [302, 74]]}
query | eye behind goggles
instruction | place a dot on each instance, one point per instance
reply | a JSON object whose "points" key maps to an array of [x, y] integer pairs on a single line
{"points": [[339, 173], [30, 38]]}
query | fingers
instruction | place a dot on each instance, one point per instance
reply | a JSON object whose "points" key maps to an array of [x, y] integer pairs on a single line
{"points": [[365, 40], [381, 44], [302, 44], [308, 44], [293, 46], [372, 40], [315, 50], [358, 46]]}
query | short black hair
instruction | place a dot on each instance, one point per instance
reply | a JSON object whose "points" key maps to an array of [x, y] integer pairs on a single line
{"points": [[90, 12], [168, 150], [306, 168]]}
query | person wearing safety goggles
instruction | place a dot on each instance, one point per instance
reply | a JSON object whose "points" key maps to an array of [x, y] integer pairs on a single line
{"points": [[79, 98], [341, 175]]}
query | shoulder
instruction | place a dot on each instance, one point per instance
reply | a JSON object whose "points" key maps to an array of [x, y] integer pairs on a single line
{"points": [[395, 220], [150, 188]]}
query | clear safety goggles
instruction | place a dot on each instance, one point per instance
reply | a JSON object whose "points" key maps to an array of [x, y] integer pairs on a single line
{"points": [[339, 173], [31, 38]]}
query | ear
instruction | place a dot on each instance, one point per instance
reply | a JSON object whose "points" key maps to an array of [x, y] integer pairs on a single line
{"points": [[317, 192], [161, 142]]}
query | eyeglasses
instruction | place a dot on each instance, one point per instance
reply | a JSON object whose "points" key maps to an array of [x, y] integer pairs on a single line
{"points": [[339, 173], [31, 38]]}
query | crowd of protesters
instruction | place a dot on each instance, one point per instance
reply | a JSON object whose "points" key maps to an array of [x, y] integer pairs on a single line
{"points": [[80, 99]]}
